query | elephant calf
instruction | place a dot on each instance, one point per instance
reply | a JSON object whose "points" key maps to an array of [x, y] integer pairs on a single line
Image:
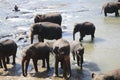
{"points": [[45, 30], [77, 51], [35, 51], [85, 28], [7, 48], [111, 75], [49, 17], [61, 49]]}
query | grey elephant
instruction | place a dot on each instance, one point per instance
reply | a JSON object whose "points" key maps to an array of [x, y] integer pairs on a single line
{"points": [[111, 7], [77, 51], [110, 75], [49, 17], [85, 28], [61, 49], [7, 48], [45, 30], [35, 52]]}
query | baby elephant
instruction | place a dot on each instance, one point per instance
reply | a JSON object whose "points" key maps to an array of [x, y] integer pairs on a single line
{"points": [[85, 28], [61, 48], [7, 48], [35, 51], [111, 75], [77, 51]]}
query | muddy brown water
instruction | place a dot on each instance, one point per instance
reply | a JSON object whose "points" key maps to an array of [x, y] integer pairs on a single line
{"points": [[100, 56]]}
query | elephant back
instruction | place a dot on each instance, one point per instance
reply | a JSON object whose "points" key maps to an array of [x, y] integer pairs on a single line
{"points": [[49, 17], [50, 30]]}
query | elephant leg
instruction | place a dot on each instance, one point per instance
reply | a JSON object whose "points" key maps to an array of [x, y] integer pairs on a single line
{"points": [[56, 66], [78, 59], [48, 65], [43, 63], [116, 13], [1, 63], [4, 64], [40, 38], [25, 63], [68, 66], [105, 13], [35, 64], [92, 36], [64, 69], [73, 55], [8, 60], [14, 59], [31, 36], [81, 37], [61, 64], [81, 61]]}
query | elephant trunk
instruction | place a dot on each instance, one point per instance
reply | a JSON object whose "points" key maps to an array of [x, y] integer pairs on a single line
{"points": [[23, 67], [31, 36]]}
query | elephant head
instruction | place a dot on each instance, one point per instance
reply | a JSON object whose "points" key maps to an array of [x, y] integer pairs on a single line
{"points": [[76, 29], [35, 30], [39, 18]]}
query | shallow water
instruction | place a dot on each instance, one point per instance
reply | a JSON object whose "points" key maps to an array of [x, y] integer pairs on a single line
{"points": [[100, 56]]}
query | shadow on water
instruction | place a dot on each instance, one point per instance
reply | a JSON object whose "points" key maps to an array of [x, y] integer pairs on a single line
{"points": [[84, 74], [96, 40]]}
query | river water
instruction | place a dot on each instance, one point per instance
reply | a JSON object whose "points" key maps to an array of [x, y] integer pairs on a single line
{"points": [[100, 56]]}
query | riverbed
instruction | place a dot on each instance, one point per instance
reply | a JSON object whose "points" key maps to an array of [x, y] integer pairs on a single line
{"points": [[102, 55]]}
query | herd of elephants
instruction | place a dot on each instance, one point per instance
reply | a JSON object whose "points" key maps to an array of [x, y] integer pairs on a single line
{"points": [[48, 26]]}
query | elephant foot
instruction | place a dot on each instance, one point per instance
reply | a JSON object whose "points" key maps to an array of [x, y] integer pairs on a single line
{"points": [[5, 69], [80, 39], [48, 69], [24, 75], [43, 66], [55, 75], [13, 63]]}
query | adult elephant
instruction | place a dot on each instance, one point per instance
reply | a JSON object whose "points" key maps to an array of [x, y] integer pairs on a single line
{"points": [[85, 28], [7, 48], [111, 7], [61, 49], [77, 51], [49, 17], [35, 52], [46, 30]]}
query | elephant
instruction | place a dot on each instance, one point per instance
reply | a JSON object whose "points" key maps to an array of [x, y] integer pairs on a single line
{"points": [[7, 48], [110, 75], [45, 30], [61, 49], [85, 28], [111, 7], [49, 17], [77, 51], [35, 52]]}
